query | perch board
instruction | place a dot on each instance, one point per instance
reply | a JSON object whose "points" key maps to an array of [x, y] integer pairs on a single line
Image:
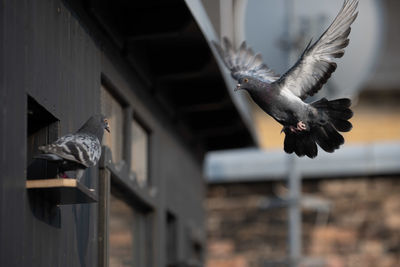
{"points": [[62, 191]]}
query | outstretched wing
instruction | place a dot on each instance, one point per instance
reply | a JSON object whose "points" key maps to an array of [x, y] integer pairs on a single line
{"points": [[315, 66], [81, 148], [243, 62]]}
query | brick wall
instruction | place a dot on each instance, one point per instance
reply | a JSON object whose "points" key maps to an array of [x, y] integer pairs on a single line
{"points": [[350, 222]]}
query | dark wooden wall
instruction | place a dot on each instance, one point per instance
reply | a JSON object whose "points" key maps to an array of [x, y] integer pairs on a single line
{"points": [[46, 53]]}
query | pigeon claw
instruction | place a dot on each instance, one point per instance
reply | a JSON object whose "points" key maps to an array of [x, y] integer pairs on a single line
{"points": [[301, 126]]}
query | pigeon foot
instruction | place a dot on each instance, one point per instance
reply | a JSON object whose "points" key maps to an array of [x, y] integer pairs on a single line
{"points": [[301, 126]]}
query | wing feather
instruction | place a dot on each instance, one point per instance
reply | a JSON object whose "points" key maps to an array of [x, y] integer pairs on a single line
{"points": [[243, 62], [81, 148], [315, 66]]}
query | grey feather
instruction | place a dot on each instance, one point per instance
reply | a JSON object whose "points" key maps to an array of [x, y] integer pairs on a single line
{"points": [[243, 62], [82, 148], [49, 157]]}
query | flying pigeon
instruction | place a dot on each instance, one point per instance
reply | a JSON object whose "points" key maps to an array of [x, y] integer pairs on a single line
{"points": [[78, 151], [304, 125]]}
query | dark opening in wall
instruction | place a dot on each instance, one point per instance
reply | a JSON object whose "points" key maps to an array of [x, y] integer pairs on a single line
{"points": [[172, 239], [197, 252], [193, 246], [42, 129]]}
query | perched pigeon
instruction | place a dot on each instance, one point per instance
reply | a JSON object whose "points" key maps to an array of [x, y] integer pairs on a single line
{"points": [[304, 125], [78, 151]]}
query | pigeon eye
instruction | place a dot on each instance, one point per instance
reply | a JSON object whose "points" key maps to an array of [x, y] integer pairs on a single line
{"points": [[246, 80]]}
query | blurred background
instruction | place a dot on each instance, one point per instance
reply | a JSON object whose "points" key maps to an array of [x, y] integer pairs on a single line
{"points": [[265, 208], [149, 66]]}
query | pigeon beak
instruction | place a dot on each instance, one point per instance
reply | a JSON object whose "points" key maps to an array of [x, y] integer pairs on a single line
{"points": [[237, 87], [107, 128]]}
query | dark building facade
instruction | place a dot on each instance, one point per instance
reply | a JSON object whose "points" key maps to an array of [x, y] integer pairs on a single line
{"points": [[149, 68]]}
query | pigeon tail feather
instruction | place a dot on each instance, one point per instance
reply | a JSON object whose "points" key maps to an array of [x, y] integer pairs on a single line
{"points": [[49, 157], [332, 118]]}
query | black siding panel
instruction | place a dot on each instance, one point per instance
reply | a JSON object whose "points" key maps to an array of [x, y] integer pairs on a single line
{"points": [[12, 137], [47, 54]]}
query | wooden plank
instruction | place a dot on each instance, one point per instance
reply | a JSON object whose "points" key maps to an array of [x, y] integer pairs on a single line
{"points": [[62, 191], [47, 183]]}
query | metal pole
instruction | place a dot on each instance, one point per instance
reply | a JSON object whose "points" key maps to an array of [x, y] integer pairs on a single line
{"points": [[294, 212], [294, 177]]}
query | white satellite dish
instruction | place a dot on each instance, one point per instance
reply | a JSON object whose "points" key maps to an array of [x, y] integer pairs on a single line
{"points": [[269, 25]]}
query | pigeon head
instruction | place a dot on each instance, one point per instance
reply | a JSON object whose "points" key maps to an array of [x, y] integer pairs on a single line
{"points": [[95, 125], [247, 83]]}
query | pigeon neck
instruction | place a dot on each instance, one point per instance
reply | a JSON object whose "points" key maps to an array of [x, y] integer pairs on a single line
{"points": [[88, 128]]}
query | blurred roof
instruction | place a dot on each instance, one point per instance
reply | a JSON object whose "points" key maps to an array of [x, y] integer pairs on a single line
{"points": [[386, 74], [245, 165]]}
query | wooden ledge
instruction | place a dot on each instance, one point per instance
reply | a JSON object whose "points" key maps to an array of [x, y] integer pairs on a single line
{"points": [[46, 183], [62, 191]]}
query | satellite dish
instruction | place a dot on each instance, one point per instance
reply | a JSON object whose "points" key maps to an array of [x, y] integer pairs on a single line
{"points": [[282, 29]]}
